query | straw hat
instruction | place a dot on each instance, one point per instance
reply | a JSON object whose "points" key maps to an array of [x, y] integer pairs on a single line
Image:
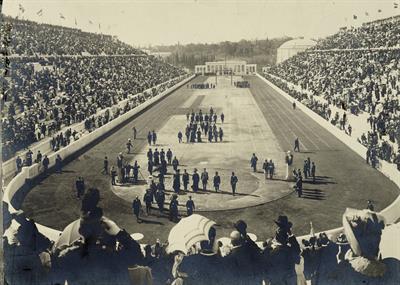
{"points": [[235, 236]]}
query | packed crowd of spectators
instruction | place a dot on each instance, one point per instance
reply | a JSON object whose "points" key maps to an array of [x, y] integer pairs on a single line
{"points": [[45, 93], [23, 37], [377, 34], [237, 259], [73, 90], [64, 138], [355, 81], [56, 92]]}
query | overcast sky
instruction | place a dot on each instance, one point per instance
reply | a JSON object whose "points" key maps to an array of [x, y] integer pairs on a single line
{"points": [[144, 22]]}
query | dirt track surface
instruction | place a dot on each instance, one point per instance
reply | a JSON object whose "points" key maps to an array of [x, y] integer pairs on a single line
{"points": [[344, 179]]}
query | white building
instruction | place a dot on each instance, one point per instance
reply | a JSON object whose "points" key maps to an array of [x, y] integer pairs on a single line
{"points": [[292, 47], [226, 67], [265, 69]]}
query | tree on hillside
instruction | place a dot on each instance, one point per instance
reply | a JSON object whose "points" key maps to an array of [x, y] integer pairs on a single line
{"points": [[261, 52]]}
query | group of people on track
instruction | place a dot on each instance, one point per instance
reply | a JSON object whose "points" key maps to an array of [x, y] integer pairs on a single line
{"points": [[199, 123], [158, 162]]}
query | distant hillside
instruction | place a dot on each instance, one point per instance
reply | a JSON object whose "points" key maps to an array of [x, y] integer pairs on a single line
{"points": [[261, 52]]}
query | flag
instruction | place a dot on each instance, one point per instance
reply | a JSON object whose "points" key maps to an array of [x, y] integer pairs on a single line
{"points": [[355, 17], [366, 14], [99, 26], [90, 22], [40, 12], [76, 23], [395, 5], [21, 8], [62, 16]]}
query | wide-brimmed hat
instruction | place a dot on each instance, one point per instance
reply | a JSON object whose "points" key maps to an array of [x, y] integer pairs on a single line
{"points": [[207, 251], [283, 222], [234, 236], [240, 226], [342, 239]]}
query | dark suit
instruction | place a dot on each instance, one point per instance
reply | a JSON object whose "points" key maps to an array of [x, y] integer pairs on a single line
{"points": [[176, 183], [189, 207], [234, 181], [204, 180], [217, 182], [136, 206], [185, 180], [195, 179]]}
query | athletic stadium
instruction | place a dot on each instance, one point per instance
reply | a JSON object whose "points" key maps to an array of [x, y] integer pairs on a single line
{"points": [[119, 167]]}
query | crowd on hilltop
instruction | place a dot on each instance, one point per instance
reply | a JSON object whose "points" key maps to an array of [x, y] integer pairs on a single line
{"points": [[23, 37], [377, 34], [45, 95], [355, 81]]}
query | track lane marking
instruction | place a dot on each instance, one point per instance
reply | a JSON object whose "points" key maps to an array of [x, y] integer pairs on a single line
{"points": [[286, 107]]}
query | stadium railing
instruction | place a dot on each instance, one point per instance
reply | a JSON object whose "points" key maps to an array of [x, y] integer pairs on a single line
{"points": [[9, 206], [392, 212], [9, 167]]}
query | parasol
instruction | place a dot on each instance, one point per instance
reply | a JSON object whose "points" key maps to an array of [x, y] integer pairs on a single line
{"points": [[137, 236], [71, 233], [363, 229], [188, 232]]}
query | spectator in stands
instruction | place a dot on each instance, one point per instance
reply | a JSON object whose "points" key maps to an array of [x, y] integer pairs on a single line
{"points": [[58, 164], [51, 92], [45, 163], [30, 38], [19, 164], [376, 34], [355, 81]]}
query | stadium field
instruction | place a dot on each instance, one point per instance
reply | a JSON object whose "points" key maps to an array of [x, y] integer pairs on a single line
{"points": [[258, 120]]}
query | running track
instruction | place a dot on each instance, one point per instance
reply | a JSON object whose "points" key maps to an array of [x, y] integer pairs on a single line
{"points": [[344, 179]]}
